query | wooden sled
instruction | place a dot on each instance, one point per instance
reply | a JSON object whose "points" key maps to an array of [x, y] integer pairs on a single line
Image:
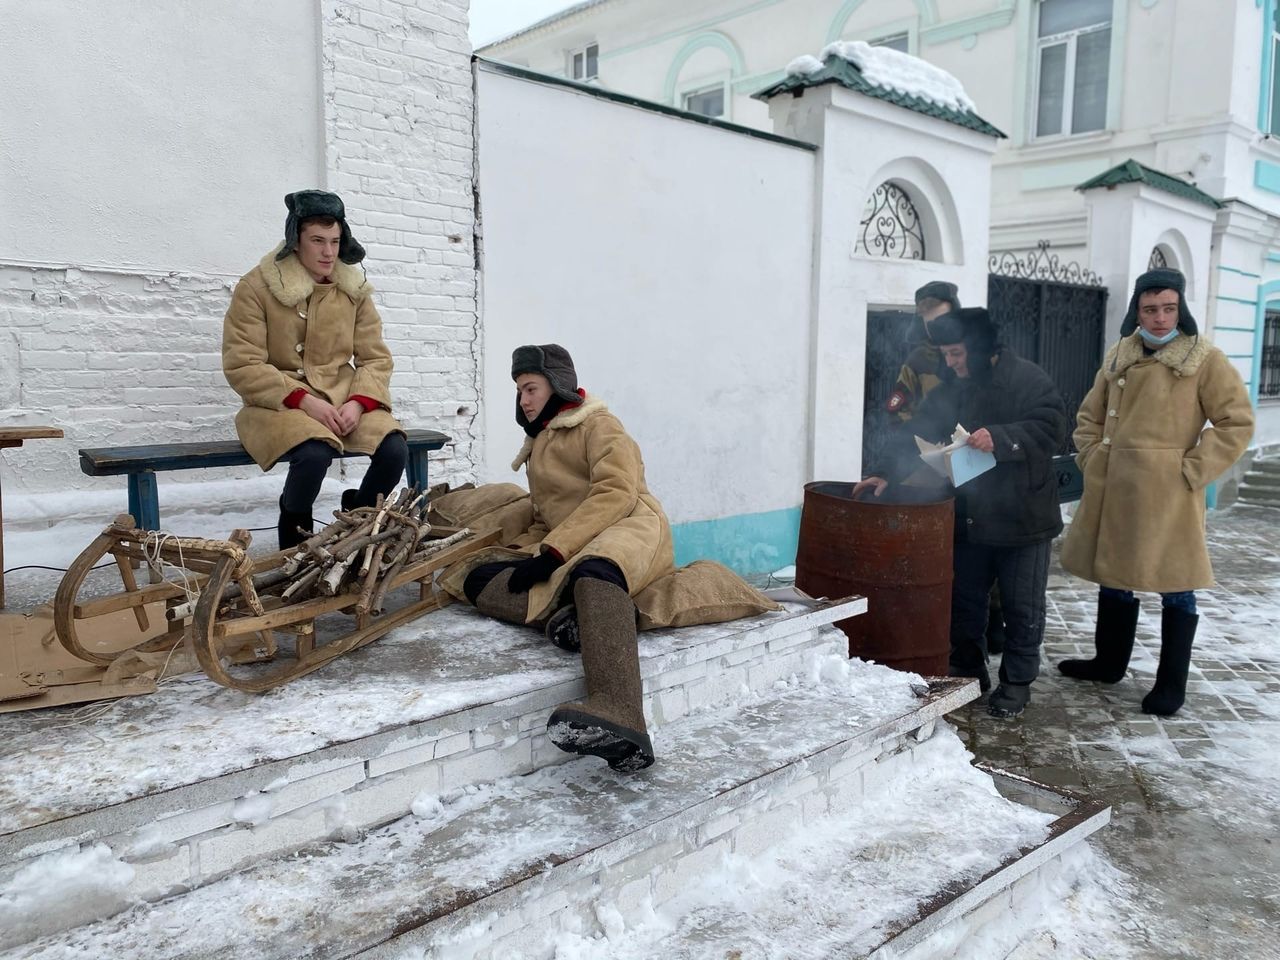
{"points": [[220, 609]]}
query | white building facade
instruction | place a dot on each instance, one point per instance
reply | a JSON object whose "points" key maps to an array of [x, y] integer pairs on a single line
{"points": [[1188, 89]]}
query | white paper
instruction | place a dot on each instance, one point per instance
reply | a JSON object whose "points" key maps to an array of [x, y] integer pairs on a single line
{"points": [[957, 461]]}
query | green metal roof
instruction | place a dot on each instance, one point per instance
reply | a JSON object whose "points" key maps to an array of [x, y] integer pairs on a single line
{"points": [[1131, 171], [836, 69]]}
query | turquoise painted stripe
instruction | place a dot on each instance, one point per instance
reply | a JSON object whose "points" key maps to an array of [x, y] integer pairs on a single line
{"points": [[1239, 356], [1251, 303], [1273, 256], [1266, 176], [1235, 329], [1243, 273], [747, 543]]}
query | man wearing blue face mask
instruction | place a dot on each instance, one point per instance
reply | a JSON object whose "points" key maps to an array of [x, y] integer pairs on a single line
{"points": [[1147, 457]]}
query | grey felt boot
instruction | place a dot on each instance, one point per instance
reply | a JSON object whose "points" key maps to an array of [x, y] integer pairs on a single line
{"points": [[610, 722], [497, 601]]}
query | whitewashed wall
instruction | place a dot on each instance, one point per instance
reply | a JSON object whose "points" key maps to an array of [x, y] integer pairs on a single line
{"points": [[147, 151], [673, 260]]}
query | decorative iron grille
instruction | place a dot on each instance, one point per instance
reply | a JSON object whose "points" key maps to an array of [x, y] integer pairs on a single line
{"points": [[1041, 264], [1269, 371], [1157, 261], [890, 225]]}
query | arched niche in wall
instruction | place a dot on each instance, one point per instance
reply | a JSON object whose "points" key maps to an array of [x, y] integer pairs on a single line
{"points": [[888, 15], [1173, 249], [702, 71], [909, 214]]}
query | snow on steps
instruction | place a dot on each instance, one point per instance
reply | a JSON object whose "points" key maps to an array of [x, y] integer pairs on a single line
{"points": [[194, 782], [486, 871]]}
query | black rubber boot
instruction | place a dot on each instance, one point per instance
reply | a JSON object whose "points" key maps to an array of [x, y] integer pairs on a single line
{"points": [[1113, 642], [1177, 634], [609, 723], [1008, 700], [562, 629], [293, 528]]}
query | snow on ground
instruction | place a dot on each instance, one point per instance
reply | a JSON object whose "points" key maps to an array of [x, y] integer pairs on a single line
{"points": [[479, 839]]}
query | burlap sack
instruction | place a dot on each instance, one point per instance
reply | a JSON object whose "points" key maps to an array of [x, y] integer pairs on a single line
{"points": [[702, 592]]}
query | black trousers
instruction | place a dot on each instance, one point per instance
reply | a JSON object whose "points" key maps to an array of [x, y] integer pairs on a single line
{"points": [[595, 568], [309, 461], [1022, 573]]}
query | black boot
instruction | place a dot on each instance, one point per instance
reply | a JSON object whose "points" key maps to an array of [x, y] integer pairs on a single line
{"points": [[562, 629], [1112, 639], [287, 528], [1009, 700], [351, 499], [1177, 634]]}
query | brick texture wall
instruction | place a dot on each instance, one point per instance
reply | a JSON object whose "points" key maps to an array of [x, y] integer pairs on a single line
{"points": [[114, 356]]}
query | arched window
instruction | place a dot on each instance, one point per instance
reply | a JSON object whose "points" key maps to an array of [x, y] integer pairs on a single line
{"points": [[891, 226], [1158, 259]]}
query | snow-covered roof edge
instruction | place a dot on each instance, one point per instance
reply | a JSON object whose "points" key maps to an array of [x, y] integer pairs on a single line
{"points": [[885, 74]]}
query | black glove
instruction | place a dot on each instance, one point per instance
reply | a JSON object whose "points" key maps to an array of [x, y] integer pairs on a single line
{"points": [[534, 570]]}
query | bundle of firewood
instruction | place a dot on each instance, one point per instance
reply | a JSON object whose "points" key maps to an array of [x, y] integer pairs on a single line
{"points": [[360, 553]]}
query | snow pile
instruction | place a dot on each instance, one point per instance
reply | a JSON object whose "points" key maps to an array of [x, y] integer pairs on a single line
{"points": [[946, 824], [894, 70], [60, 890], [253, 808], [804, 65]]}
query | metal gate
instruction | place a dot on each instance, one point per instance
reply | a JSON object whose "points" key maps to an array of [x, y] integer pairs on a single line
{"points": [[1053, 314], [888, 332]]}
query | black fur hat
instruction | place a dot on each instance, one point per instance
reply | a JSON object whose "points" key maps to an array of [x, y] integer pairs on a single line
{"points": [[553, 362], [318, 203], [1162, 278], [971, 326]]}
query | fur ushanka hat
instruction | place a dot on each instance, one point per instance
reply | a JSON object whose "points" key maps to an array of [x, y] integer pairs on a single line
{"points": [[1162, 278], [318, 203]]}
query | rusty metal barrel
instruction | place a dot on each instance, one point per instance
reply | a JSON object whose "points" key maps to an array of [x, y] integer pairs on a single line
{"points": [[898, 556]]}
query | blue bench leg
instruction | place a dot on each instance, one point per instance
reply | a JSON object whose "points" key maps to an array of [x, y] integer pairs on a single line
{"points": [[416, 470], [144, 500]]}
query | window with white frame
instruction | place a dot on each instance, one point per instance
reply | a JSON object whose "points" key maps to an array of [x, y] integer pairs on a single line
{"points": [[1273, 122], [1073, 58], [707, 101], [896, 41], [584, 63]]}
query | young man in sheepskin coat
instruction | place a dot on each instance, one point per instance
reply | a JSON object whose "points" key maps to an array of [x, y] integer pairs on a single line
{"points": [[598, 538], [302, 346], [1147, 458]]}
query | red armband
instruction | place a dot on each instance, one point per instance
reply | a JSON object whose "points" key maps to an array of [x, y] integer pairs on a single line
{"points": [[368, 403], [294, 400]]}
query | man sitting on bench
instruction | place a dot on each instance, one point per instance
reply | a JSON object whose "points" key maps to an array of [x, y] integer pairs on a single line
{"points": [[302, 345]]}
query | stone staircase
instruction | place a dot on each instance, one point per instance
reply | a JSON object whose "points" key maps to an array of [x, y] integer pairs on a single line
{"points": [[406, 803], [1261, 484]]}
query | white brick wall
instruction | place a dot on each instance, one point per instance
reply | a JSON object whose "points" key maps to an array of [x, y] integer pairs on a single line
{"points": [[119, 355]]}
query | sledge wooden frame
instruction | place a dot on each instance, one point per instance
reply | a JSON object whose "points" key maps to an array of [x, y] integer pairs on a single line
{"points": [[230, 623]]}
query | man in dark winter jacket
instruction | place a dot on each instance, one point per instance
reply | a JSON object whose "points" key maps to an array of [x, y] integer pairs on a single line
{"points": [[1006, 518]]}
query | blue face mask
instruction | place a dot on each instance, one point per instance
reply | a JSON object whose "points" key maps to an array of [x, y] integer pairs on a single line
{"points": [[1155, 341]]}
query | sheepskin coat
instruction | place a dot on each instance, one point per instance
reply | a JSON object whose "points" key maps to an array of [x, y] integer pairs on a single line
{"points": [[1147, 458], [283, 331], [589, 499]]}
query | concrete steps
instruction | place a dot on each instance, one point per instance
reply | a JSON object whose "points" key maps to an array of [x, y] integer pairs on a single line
{"points": [[195, 782], [513, 868], [1261, 484]]}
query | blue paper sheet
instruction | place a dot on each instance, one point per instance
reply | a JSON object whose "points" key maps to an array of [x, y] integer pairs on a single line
{"points": [[969, 462]]}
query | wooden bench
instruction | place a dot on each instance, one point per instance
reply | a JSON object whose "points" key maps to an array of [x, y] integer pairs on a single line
{"points": [[141, 464]]}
